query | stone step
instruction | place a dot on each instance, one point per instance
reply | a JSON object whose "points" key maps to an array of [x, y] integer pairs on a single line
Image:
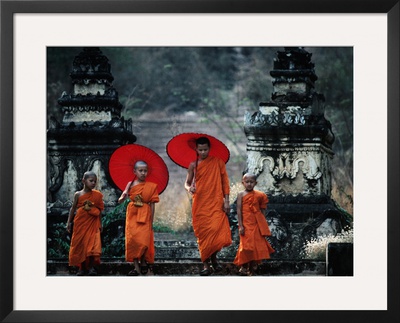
{"points": [[192, 267]]}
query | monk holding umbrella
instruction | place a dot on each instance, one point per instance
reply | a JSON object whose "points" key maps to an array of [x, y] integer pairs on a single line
{"points": [[207, 181], [142, 175]]}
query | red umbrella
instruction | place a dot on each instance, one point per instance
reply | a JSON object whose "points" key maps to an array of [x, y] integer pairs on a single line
{"points": [[182, 148], [122, 162]]}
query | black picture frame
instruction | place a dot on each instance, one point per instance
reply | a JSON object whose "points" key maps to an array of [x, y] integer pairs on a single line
{"points": [[8, 8]]}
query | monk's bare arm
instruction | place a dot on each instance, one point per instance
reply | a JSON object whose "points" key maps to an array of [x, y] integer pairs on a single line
{"points": [[225, 187], [124, 193], [227, 207], [101, 222], [239, 212], [152, 207], [72, 211], [263, 211], [189, 179]]}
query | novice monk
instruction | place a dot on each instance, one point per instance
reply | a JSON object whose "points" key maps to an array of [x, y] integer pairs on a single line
{"points": [[253, 227], [139, 235], [85, 248], [208, 182]]}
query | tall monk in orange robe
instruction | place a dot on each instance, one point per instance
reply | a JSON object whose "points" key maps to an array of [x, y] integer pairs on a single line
{"points": [[253, 227], [207, 181], [85, 214], [139, 234]]}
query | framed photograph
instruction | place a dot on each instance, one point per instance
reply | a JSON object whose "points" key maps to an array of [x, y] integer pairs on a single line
{"points": [[29, 28]]}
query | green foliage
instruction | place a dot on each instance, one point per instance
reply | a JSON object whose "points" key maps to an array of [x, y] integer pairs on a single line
{"points": [[117, 214], [58, 241], [159, 227], [115, 248], [113, 235]]}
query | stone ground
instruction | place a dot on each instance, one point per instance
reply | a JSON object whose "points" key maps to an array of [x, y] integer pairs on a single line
{"points": [[189, 268], [178, 256]]}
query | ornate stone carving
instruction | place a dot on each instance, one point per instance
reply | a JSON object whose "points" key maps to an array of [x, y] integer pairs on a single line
{"points": [[91, 129], [291, 135], [289, 149], [289, 164]]}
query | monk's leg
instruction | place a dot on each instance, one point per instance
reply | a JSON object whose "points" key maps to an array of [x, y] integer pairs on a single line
{"points": [[136, 264], [91, 270], [216, 266], [244, 270], [253, 266], [143, 265], [82, 269], [136, 268], [207, 268]]}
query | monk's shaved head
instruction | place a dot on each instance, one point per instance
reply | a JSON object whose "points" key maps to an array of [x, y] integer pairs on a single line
{"points": [[140, 163], [88, 174], [249, 175]]}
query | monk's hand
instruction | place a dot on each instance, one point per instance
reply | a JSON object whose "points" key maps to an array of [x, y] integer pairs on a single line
{"points": [[227, 208], [241, 230], [122, 197], [69, 224]]}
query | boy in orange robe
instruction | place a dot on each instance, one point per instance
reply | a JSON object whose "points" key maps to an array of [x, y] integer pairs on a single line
{"points": [[85, 212], [253, 227], [207, 181], [139, 234]]}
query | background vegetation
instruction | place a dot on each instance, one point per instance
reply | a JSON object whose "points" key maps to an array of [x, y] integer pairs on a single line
{"points": [[217, 84]]}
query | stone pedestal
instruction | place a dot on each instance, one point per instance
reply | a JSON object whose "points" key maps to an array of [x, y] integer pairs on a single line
{"points": [[289, 149], [90, 130]]}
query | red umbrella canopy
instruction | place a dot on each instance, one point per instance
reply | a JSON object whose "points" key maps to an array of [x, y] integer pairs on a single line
{"points": [[182, 148], [123, 160]]}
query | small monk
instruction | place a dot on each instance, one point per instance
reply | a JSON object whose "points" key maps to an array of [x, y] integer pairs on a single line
{"points": [[253, 227], [85, 214], [139, 234], [208, 183]]}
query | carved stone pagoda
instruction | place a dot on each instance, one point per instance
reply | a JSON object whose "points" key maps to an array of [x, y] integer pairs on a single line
{"points": [[289, 149], [91, 129]]}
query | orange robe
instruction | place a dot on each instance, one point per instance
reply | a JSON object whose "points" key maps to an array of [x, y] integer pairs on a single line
{"points": [[210, 222], [86, 241], [253, 245], [139, 235]]}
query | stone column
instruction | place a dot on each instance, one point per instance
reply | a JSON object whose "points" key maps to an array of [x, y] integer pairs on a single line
{"points": [[90, 130], [289, 149]]}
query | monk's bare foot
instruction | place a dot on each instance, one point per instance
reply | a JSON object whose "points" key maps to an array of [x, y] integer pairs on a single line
{"points": [[133, 272], [216, 266], [92, 272], [205, 272], [150, 272], [81, 272], [243, 271]]}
